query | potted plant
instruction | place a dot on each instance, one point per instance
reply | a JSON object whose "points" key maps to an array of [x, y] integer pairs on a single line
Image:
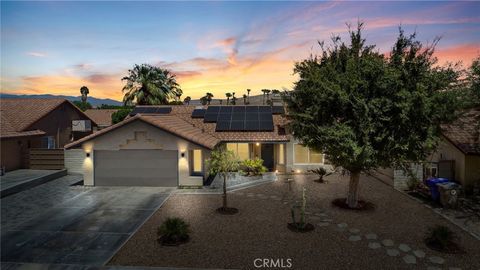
{"points": [[173, 232]]}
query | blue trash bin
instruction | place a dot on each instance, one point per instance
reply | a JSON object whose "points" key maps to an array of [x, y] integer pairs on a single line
{"points": [[432, 185]]}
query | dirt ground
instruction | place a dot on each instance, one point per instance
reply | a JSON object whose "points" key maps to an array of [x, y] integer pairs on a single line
{"points": [[259, 230]]}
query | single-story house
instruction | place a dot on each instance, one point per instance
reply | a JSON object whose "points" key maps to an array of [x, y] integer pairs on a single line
{"points": [[457, 157], [38, 124], [103, 117], [168, 145]]}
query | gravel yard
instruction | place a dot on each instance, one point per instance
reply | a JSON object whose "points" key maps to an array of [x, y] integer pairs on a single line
{"points": [[391, 236]]}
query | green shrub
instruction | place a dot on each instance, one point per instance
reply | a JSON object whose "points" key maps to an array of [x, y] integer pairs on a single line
{"points": [[173, 230], [321, 172], [119, 115], [253, 166], [440, 236]]}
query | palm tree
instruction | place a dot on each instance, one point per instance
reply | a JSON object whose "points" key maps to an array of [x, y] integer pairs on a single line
{"points": [[178, 96], [209, 97], [264, 93], [150, 85], [234, 99], [228, 95], [244, 99], [204, 100], [220, 101], [248, 95], [187, 100], [84, 91], [268, 94]]}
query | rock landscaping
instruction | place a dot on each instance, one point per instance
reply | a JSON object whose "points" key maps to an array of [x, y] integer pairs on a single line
{"points": [[380, 239]]}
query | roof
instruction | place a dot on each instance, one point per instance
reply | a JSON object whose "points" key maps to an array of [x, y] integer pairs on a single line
{"points": [[18, 114], [103, 117], [464, 132], [180, 123]]}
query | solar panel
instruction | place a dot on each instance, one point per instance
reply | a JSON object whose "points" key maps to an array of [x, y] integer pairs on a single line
{"points": [[226, 109], [210, 117], [265, 125], [222, 126], [164, 110], [251, 126], [251, 109], [212, 109], [265, 117], [238, 116], [238, 109], [265, 109], [198, 113], [224, 116], [237, 126], [278, 110]]}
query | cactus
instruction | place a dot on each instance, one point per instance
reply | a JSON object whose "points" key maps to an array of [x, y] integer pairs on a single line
{"points": [[302, 209]]}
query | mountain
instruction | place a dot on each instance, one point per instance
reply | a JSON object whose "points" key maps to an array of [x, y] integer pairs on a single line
{"points": [[92, 100]]}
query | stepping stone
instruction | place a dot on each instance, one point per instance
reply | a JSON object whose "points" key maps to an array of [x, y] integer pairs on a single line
{"points": [[387, 242], [374, 245], [404, 247], [355, 231], [436, 260], [419, 253], [342, 225], [371, 236], [354, 238], [433, 268], [323, 224], [321, 215], [410, 259], [393, 252], [454, 268], [327, 220]]}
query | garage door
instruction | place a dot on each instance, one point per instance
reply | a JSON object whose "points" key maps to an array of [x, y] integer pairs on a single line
{"points": [[136, 168]]}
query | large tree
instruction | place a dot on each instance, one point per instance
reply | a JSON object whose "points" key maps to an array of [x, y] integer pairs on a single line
{"points": [[150, 85], [365, 110]]}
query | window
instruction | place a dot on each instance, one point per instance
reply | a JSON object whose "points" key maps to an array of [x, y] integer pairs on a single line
{"points": [[196, 161], [48, 142], [281, 154], [305, 155], [242, 150]]}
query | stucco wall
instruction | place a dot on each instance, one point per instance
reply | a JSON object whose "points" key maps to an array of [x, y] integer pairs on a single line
{"points": [[447, 151], [472, 171], [290, 160], [74, 160], [14, 152], [140, 135]]}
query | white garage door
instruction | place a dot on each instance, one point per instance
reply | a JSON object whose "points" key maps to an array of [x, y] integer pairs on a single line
{"points": [[136, 168]]}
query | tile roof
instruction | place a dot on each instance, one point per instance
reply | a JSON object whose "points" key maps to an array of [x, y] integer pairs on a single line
{"points": [[180, 123], [103, 117], [18, 114], [464, 132]]}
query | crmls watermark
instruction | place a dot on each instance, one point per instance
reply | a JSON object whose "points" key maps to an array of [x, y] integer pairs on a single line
{"points": [[272, 263]]}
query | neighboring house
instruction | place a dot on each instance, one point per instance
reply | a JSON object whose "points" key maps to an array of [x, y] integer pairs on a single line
{"points": [[103, 117], [458, 155], [168, 145], [37, 123]]}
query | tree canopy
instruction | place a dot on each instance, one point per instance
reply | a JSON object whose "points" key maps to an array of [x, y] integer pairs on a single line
{"points": [[150, 85], [365, 110]]}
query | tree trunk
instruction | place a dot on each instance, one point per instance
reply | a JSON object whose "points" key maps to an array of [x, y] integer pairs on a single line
{"points": [[224, 191], [352, 198]]}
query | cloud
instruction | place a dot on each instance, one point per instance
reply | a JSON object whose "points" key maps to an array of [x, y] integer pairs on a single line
{"points": [[36, 54], [463, 52]]}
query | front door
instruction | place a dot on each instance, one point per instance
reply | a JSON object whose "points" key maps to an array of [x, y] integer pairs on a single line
{"points": [[267, 156]]}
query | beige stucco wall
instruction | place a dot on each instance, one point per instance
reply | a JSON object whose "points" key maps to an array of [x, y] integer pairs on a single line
{"points": [[472, 171], [140, 135], [291, 166]]}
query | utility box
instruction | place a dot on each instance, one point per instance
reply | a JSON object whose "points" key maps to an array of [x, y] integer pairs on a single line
{"points": [[81, 125]]}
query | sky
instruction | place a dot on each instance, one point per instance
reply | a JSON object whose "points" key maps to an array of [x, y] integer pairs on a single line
{"points": [[218, 47]]}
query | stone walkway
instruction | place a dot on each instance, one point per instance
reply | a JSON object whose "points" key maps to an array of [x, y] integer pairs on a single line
{"points": [[410, 255]]}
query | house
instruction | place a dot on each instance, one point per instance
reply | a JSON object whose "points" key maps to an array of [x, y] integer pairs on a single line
{"points": [[168, 145], [457, 157], [38, 124], [103, 117]]}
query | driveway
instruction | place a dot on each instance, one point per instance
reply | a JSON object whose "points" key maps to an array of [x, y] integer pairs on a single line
{"points": [[63, 224]]}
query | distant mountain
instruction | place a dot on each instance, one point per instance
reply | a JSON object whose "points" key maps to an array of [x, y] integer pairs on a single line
{"points": [[92, 100]]}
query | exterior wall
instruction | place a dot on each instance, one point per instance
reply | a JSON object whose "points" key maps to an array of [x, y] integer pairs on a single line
{"points": [[280, 167], [74, 160], [58, 123], [14, 152], [291, 166], [447, 151], [140, 135], [400, 179], [472, 171]]}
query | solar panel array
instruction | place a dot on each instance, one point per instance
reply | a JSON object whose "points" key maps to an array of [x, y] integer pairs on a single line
{"points": [[240, 118], [151, 110], [198, 113], [278, 110]]}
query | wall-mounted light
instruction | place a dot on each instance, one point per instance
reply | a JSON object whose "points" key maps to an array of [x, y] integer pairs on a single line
{"points": [[182, 154], [257, 144], [88, 154], [298, 171]]}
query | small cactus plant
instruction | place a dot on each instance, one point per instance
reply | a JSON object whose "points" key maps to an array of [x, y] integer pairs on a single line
{"points": [[302, 222]]}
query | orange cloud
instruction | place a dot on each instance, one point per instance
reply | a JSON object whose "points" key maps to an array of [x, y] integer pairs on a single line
{"points": [[464, 53]]}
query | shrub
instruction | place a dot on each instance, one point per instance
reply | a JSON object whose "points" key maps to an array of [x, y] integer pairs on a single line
{"points": [[321, 172], [173, 231], [440, 237], [253, 166], [119, 115]]}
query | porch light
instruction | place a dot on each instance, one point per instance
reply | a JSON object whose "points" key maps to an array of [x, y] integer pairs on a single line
{"points": [[183, 154], [87, 154], [276, 171], [298, 171], [257, 144]]}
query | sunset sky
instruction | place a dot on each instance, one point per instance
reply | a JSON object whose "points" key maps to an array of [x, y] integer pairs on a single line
{"points": [[218, 47]]}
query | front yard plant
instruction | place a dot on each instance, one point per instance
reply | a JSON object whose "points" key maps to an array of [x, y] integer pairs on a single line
{"points": [[173, 232], [223, 162], [321, 172], [301, 225], [442, 239], [253, 167]]}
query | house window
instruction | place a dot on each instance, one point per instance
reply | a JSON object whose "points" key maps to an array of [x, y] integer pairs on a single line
{"points": [[305, 155], [48, 142], [281, 154], [196, 161], [242, 150]]}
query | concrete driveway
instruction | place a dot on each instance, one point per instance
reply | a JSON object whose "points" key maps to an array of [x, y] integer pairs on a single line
{"points": [[56, 223]]}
